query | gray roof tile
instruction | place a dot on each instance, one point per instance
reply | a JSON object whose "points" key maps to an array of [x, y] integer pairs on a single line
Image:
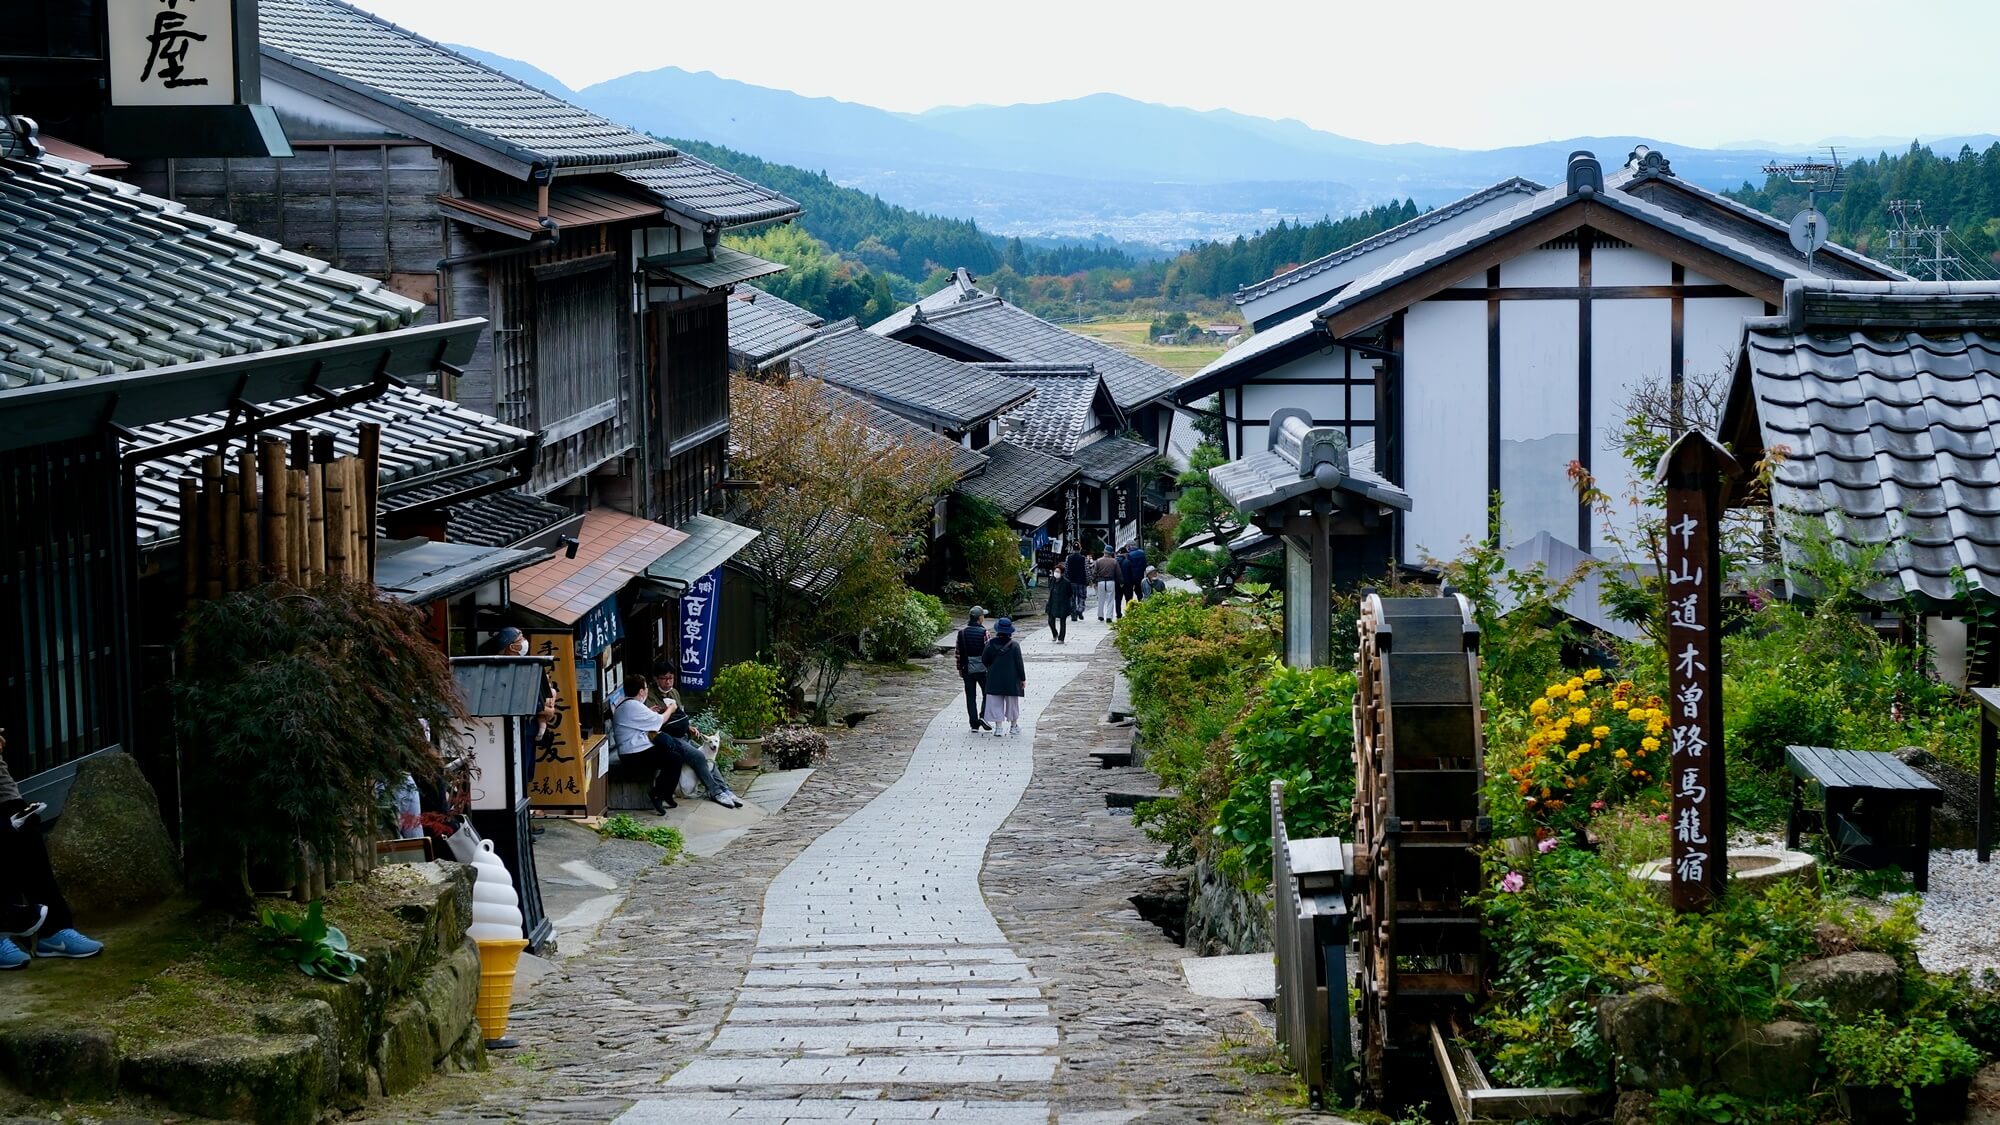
{"points": [[406, 72], [98, 278], [1395, 234], [989, 325], [757, 332], [922, 385], [1888, 434], [1017, 478], [1111, 459], [696, 189], [1069, 407]]}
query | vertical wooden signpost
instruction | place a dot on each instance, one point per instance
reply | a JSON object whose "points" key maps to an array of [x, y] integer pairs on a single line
{"points": [[1692, 472]]}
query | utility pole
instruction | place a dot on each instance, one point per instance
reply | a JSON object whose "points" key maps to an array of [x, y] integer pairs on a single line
{"points": [[1907, 238]]}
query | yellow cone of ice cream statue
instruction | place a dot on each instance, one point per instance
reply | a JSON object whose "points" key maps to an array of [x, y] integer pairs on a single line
{"points": [[496, 927]]}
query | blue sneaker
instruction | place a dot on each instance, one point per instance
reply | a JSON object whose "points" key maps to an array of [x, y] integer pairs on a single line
{"points": [[12, 956], [68, 943]]}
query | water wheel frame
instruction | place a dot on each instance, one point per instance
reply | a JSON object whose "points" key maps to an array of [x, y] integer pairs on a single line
{"points": [[1417, 822]]}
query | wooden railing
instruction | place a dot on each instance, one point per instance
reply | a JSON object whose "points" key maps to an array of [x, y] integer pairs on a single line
{"points": [[1309, 933]]}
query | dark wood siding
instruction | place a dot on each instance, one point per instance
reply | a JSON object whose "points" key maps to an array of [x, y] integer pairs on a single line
{"points": [[694, 344], [62, 584]]}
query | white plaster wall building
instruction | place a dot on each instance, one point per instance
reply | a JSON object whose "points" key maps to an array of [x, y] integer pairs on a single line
{"points": [[1490, 349]]}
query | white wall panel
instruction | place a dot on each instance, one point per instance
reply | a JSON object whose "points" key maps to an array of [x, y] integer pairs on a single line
{"points": [[1630, 344], [1444, 426], [1538, 418], [1540, 267], [1712, 329], [1628, 265]]}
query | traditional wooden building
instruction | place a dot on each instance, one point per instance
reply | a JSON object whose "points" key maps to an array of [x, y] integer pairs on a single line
{"points": [[967, 323], [1073, 417], [1490, 349], [592, 249], [763, 326], [122, 317]]}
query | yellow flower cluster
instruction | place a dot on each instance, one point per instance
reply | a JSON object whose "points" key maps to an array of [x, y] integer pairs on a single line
{"points": [[1586, 728]]}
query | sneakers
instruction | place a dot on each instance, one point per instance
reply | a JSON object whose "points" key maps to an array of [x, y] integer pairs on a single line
{"points": [[1016, 732], [68, 943], [12, 956], [728, 800]]}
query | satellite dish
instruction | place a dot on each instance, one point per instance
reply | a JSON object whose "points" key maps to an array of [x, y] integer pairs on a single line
{"points": [[1809, 231]]}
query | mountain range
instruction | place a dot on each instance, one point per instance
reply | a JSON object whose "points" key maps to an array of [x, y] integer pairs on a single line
{"points": [[1105, 165]]}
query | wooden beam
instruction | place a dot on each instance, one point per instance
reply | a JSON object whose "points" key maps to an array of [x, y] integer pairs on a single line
{"points": [[1676, 291], [1585, 385], [1752, 281], [1417, 287], [1492, 394]]}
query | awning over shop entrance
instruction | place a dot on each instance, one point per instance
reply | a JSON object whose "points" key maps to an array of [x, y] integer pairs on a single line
{"points": [[612, 549], [420, 571], [726, 267], [710, 543]]}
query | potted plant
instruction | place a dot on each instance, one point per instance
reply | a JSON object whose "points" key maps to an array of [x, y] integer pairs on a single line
{"points": [[747, 701], [796, 747], [1919, 1072]]}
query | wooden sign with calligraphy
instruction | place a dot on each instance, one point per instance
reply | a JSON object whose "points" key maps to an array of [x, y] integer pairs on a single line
{"points": [[561, 780], [1692, 472]]}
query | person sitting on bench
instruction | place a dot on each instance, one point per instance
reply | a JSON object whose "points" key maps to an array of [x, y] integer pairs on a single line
{"points": [[30, 901], [677, 727], [640, 744]]}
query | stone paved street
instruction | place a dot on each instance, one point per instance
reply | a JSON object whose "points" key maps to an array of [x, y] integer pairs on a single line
{"points": [[937, 927]]}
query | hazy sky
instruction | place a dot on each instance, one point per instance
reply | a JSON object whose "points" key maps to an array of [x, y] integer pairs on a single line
{"points": [[1465, 73]]}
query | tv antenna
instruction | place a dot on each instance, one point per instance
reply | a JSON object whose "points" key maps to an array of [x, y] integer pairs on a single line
{"points": [[1828, 177]]}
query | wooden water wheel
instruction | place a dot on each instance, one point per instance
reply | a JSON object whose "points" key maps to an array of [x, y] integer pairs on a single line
{"points": [[1418, 755]]}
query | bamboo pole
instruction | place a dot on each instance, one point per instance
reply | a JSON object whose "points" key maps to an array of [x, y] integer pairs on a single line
{"points": [[295, 480], [215, 509], [316, 518], [358, 566], [371, 481], [336, 518], [278, 517], [193, 550], [232, 530], [250, 568]]}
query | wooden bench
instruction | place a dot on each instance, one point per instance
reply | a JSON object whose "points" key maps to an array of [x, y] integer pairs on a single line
{"points": [[1866, 798]]}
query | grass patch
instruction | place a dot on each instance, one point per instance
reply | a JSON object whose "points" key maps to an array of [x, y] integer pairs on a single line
{"points": [[623, 827], [1131, 337]]}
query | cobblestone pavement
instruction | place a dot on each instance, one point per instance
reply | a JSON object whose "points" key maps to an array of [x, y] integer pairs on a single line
{"points": [[936, 928]]}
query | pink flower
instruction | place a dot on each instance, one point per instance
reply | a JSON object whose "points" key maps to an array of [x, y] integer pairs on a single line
{"points": [[1662, 818], [1597, 806], [1513, 883], [1546, 846]]}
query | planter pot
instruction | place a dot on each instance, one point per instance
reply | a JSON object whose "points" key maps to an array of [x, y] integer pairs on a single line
{"points": [[1883, 1105], [753, 752]]}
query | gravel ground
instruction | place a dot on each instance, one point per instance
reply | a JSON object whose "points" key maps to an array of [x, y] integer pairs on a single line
{"points": [[1961, 914]]}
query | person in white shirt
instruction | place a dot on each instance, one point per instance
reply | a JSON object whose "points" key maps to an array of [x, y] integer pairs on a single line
{"points": [[633, 729], [666, 717]]}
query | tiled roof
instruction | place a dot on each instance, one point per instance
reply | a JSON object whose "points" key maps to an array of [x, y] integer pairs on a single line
{"points": [[1394, 234], [1430, 255], [725, 267], [760, 330], [570, 205], [814, 539], [1653, 180], [918, 384], [441, 88], [1559, 562], [1063, 412], [693, 188], [710, 543], [98, 278], [612, 548], [1001, 331], [1017, 478], [891, 427], [502, 519], [1110, 460], [1251, 356], [499, 685], [1289, 469], [424, 439], [771, 302], [1886, 399]]}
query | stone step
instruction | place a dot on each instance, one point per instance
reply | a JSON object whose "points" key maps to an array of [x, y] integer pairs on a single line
{"points": [[728, 1073], [1131, 798], [750, 1010], [848, 1111], [872, 1036], [1111, 756], [1120, 710]]}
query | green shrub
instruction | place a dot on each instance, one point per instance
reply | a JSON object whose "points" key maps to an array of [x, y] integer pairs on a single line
{"points": [[1765, 714], [748, 698], [907, 626], [993, 565], [1873, 1051], [1298, 729], [623, 827]]}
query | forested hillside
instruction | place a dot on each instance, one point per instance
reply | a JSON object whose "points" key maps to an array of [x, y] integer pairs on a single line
{"points": [[1217, 269], [1961, 192]]}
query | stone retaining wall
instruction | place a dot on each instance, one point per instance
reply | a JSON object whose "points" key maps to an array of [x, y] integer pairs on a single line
{"points": [[1222, 917], [406, 1016]]}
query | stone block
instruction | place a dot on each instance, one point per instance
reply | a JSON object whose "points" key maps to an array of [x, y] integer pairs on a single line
{"points": [[63, 1063], [1655, 1039], [314, 1018], [1851, 985], [269, 1079], [1635, 1107], [110, 850], [354, 1017], [404, 1053], [450, 994], [1775, 1061]]}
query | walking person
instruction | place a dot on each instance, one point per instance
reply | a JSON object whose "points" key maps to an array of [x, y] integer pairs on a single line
{"points": [[1125, 577], [1076, 568], [971, 650], [1105, 573], [1061, 602], [1136, 565], [1006, 679]]}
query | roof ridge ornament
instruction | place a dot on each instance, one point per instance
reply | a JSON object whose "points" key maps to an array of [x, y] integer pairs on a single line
{"points": [[22, 138], [917, 313], [1648, 162], [1586, 176]]}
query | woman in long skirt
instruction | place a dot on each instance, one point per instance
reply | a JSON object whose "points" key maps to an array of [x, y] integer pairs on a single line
{"points": [[1006, 679]]}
